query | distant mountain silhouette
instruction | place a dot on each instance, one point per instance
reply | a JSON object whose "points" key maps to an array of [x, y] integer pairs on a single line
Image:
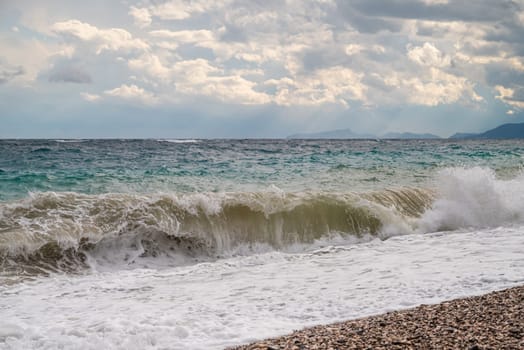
{"points": [[333, 134], [408, 135], [463, 135], [504, 131]]}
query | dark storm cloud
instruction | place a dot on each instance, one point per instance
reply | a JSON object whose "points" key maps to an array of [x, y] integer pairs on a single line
{"points": [[69, 74]]}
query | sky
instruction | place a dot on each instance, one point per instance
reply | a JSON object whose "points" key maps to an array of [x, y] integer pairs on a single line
{"points": [[259, 68]]}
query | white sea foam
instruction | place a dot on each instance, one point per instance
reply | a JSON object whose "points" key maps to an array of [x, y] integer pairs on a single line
{"points": [[240, 299], [474, 198], [178, 140], [70, 140]]}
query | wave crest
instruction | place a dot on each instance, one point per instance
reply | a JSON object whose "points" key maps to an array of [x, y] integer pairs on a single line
{"points": [[49, 229], [68, 231]]}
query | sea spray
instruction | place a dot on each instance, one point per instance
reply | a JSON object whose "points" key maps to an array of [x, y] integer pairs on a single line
{"points": [[474, 198]]}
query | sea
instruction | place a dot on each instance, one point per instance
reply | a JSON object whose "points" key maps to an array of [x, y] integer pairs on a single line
{"points": [[205, 244]]}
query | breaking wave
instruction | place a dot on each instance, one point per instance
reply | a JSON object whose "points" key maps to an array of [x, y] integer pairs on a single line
{"points": [[61, 231], [70, 231]]}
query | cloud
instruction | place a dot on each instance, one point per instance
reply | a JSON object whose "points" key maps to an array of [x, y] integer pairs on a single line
{"points": [[90, 97], [69, 74], [453, 10], [319, 54], [113, 39], [428, 55], [183, 9], [200, 78], [353, 49], [362, 23], [300, 58], [435, 2], [185, 36], [9, 72], [512, 97], [333, 85], [439, 88], [142, 16], [152, 66], [132, 93]]}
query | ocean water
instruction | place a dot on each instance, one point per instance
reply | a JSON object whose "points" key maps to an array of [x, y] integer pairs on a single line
{"points": [[203, 244]]}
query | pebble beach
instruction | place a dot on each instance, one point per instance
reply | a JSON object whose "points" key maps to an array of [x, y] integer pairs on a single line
{"points": [[490, 321]]}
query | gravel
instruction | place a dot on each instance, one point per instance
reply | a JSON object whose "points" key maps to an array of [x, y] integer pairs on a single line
{"points": [[491, 321]]}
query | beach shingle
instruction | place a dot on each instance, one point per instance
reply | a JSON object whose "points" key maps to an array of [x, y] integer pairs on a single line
{"points": [[490, 321]]}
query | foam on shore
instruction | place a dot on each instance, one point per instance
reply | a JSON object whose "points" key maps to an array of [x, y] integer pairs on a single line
{"points": [[242, 299], [490, 321]]}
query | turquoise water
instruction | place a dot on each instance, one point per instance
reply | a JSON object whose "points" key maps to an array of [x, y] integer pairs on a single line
{"points": [[151, 166]]}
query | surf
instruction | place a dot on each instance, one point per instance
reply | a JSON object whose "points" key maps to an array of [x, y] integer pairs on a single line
{"points": [[57, 229], [68, 231]]}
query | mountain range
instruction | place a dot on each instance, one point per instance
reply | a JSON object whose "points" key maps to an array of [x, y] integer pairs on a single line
{"points": [[505, 131]]}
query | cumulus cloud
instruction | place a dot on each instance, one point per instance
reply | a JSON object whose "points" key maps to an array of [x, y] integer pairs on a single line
{"points": [[333, 85], [185, 36], [132, 93], [428, 55], [199, 77], [113, 39], [510, 96], [142, 16], [353, 49], [183, 9], [299, 53], [151, 65], [440, 88], [90, 97], [304, 58]]}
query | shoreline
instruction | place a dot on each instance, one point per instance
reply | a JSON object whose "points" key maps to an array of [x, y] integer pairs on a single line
{"points": [[490, 321]]}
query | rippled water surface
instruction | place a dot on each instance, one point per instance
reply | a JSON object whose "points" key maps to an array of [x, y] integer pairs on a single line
{"points": [[145, 166]]}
